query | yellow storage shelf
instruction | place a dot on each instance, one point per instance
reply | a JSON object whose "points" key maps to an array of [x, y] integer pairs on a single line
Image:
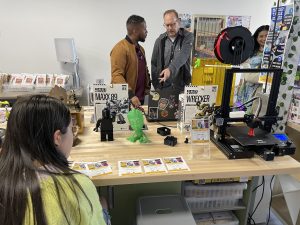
{"points": [[210, 75]]}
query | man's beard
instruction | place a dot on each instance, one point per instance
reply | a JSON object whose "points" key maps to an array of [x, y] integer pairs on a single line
{"points": [[142, 39]]}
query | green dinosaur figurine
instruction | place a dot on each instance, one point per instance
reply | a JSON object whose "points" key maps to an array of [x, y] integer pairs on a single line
{"points": [[197, 63], [136, 121]]}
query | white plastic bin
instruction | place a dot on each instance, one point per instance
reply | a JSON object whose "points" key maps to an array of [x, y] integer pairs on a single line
{"points": [[216, 218], [198, 205], [163, 210], [230, 190]]}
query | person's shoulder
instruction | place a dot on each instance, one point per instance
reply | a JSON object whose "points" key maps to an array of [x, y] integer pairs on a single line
{"points": [[84, 180], [121, 44], [186, 33], [47, 182], [162, 36]]}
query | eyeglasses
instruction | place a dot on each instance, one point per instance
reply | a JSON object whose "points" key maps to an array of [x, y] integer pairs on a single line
{"points": [[172, 25]]}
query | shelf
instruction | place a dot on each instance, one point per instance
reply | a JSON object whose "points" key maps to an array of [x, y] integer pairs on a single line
{"points": [[8, 95], [241, 206]]}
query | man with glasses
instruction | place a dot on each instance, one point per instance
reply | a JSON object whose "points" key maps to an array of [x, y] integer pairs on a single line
{"points": [[170, 63], [128, 62]]}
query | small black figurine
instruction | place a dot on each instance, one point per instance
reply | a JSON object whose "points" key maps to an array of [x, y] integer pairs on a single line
{"points": [[170, 140], [75, 103], [186, 140], [106, 126]]}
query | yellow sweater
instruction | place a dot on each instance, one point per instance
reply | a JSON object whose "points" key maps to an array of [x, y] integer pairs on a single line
{"points": [[79, 214]]}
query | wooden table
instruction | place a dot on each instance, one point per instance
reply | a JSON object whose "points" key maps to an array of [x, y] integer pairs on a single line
{"points": [[205, 161]]}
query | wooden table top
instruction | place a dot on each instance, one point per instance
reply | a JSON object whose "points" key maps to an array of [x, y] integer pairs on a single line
{"points": [[205, 161]]}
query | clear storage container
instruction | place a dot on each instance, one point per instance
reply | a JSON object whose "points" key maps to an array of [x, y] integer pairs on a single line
{"points": [[198, 205], [233, 190]]}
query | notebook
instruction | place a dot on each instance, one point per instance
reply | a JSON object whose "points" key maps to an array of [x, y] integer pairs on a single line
{"points": [[163, 105]]}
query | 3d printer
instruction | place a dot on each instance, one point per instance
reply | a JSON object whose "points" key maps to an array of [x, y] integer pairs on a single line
{"points": [[233, 46]]}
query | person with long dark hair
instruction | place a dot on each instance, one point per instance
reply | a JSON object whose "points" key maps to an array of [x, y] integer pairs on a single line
{"points": [[259, 37], [36, 184]]}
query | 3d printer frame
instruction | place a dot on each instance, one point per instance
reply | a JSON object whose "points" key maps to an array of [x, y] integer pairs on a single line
{"points": [[221, 117]]}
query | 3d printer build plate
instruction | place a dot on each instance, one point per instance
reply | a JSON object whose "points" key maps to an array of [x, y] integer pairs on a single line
{"points": [[261, 138]]}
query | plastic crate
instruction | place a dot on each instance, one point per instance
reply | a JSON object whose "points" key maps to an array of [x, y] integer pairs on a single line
{"points": [[234, 190], [216, 218], [198, 205], [163, 210]]}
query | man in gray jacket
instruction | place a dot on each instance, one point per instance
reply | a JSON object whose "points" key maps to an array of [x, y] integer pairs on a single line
{"points": [[170, 62]]}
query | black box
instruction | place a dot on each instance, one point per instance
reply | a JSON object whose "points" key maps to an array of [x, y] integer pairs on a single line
{"points": [[164, 131]]}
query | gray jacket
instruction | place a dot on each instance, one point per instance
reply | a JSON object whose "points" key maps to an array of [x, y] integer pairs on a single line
{"points": [[180, 63]]}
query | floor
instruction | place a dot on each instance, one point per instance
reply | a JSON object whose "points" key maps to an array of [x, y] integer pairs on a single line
{"points": [[274, 220]]}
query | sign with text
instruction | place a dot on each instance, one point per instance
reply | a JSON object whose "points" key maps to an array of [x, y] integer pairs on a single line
{"points": [[115, 98]]}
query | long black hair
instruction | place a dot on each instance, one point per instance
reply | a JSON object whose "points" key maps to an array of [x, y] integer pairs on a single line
{"points": [[29, 141], [255, 35]]}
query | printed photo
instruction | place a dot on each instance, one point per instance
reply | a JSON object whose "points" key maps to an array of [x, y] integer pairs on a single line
{"points": [[153, 112]]}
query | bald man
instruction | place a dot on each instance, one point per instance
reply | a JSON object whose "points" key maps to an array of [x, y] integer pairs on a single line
{"points": [[128, 61], [170, 63]]}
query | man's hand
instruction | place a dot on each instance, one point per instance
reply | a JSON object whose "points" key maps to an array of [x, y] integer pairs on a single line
{"points": [[135, 101], [164, 75]]}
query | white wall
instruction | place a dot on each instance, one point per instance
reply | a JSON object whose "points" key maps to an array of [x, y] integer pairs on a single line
{"points": [[28, 27]]}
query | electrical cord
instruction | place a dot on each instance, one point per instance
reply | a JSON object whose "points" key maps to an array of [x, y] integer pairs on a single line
{"points": [[144, 113], [250, 216], [250, 101], [269, 215], [246, 104], [165, 125], [262, 195], [251, 220], [257, 187]]}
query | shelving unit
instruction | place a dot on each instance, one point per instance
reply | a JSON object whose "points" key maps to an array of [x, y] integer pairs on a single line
{"points": [[206, 29], [240, 210], [285, 199], [11, 95]]}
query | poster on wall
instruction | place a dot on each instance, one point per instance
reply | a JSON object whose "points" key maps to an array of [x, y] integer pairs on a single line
{"points": [[185, 21], [233, 21], [289, 66], [297, 77], [278, 35]]}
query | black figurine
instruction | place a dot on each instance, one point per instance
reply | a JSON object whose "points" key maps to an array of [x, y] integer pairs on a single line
{"points": [[170, 140], [186, 140], [76, 103], [106, 126]]}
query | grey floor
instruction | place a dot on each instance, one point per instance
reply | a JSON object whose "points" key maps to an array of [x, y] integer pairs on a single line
{"points": [[274, 220]]}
